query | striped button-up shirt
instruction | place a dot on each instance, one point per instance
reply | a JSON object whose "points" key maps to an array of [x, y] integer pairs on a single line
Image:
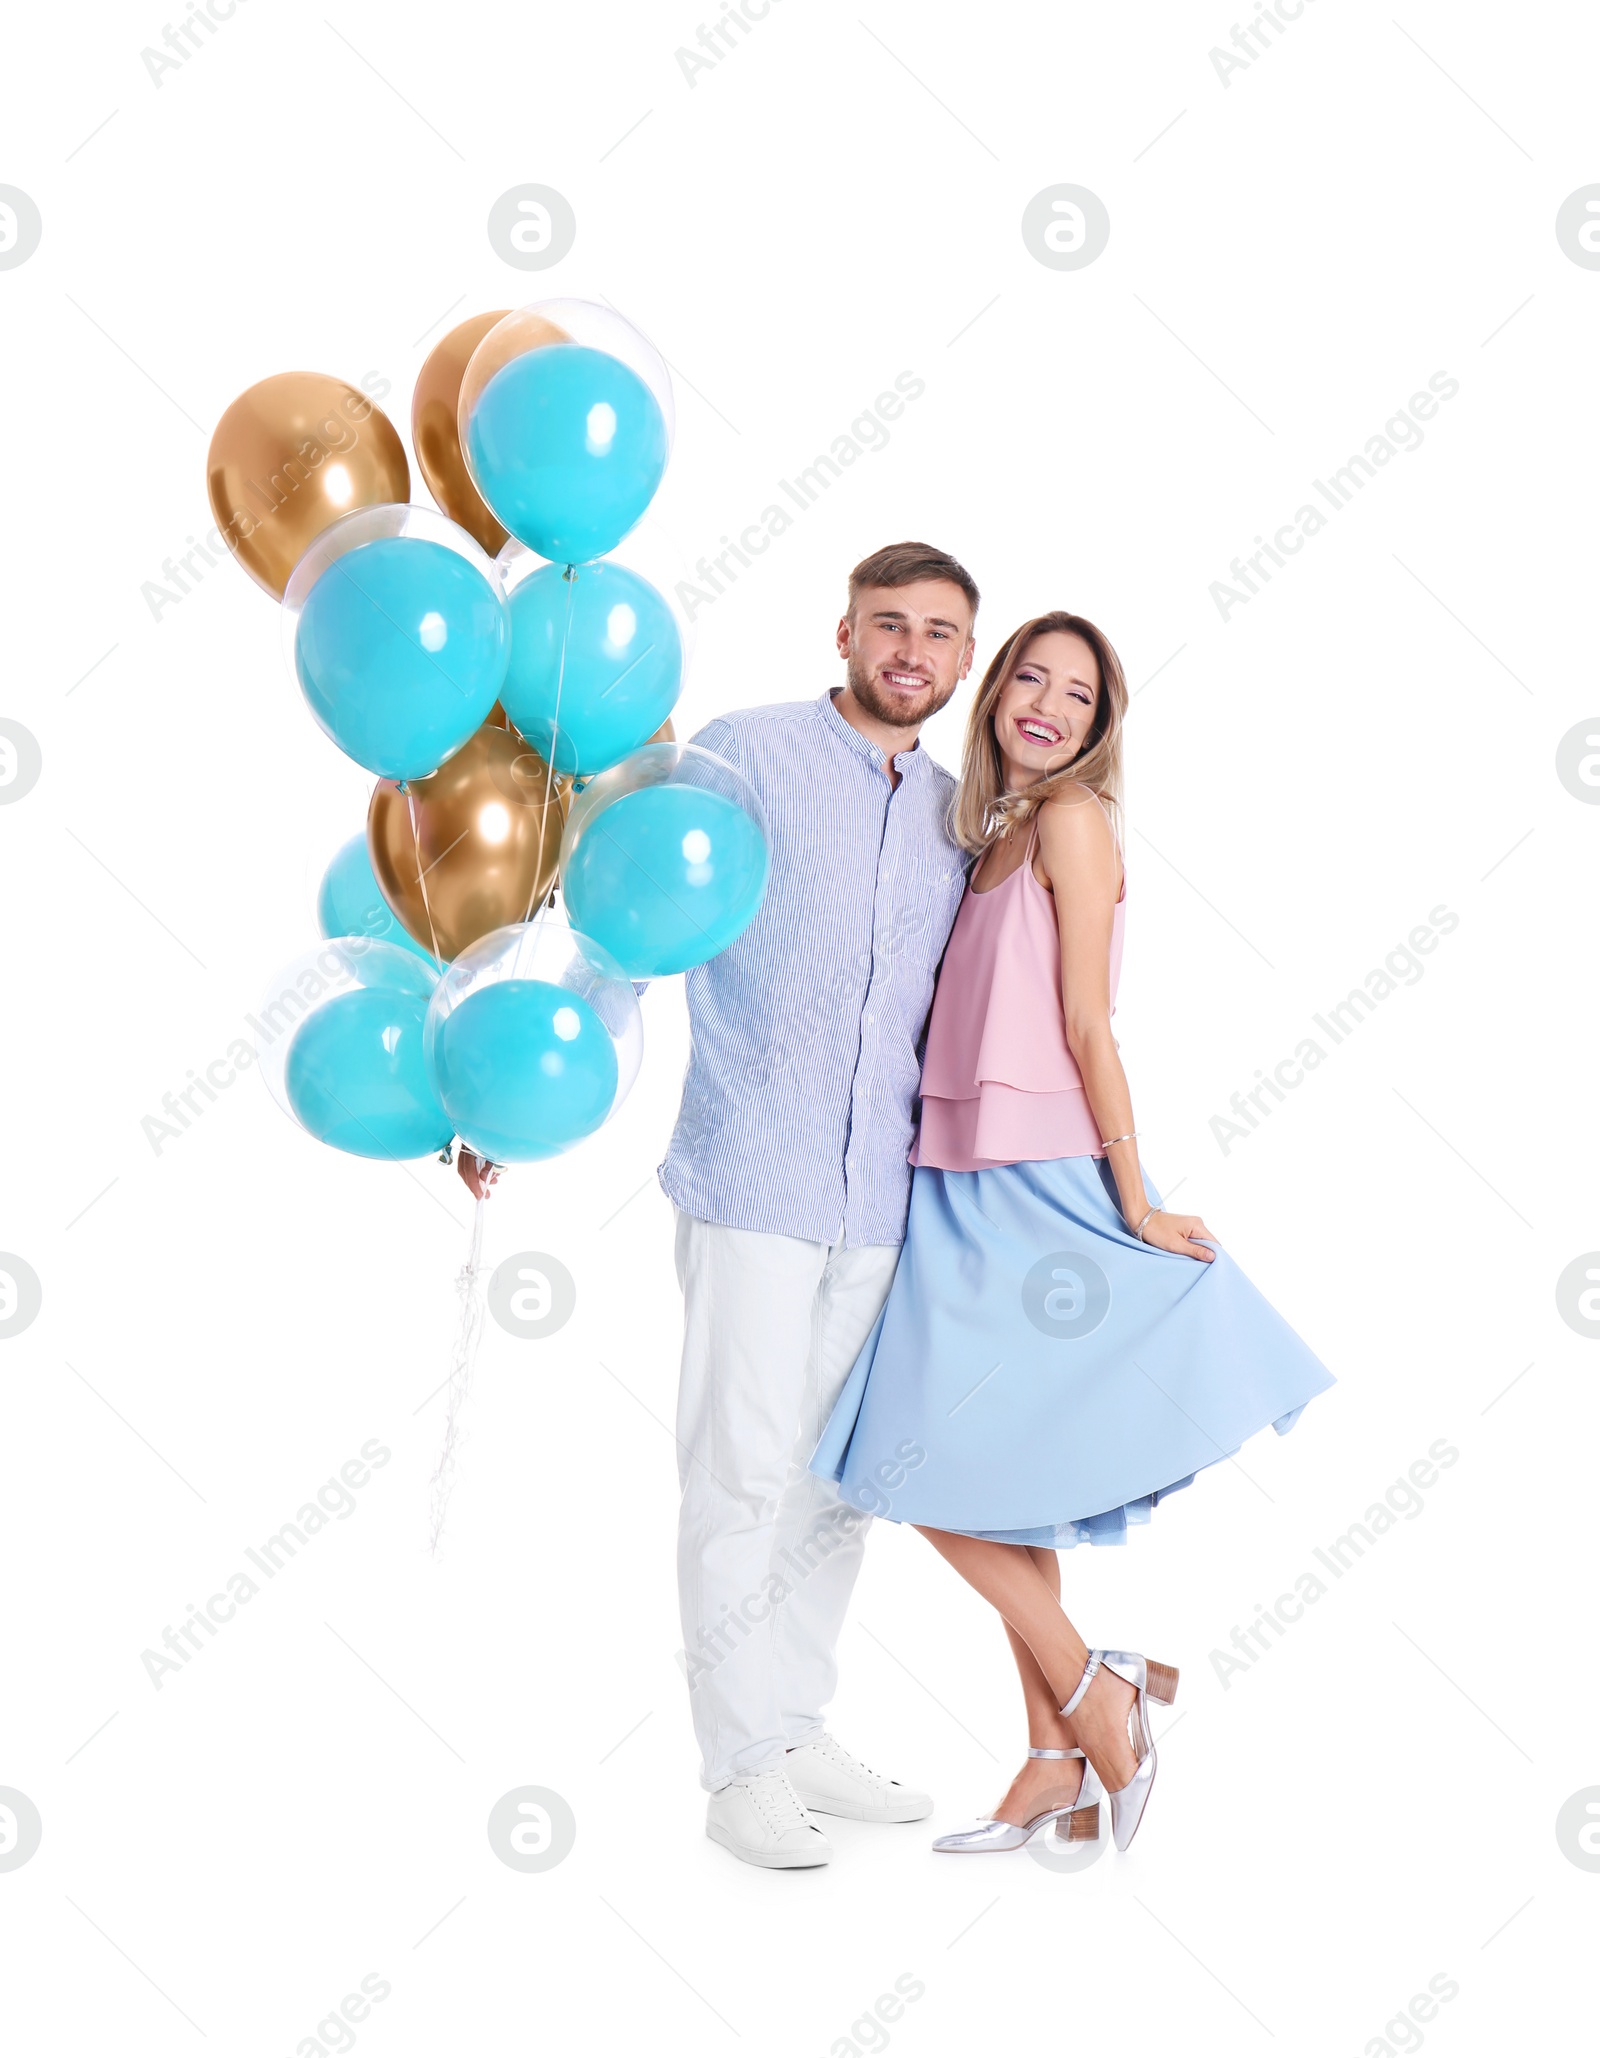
{"points": [[798, 1104]]}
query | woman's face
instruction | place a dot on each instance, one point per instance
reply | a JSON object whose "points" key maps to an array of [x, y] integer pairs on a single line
{"points": [[1047, 707]]}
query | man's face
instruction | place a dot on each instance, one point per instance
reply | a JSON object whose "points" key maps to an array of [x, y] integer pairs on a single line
{"points": [[906, 649]]}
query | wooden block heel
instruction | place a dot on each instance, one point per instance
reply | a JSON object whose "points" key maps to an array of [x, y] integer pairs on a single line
{"points": [[1161, 1682], [1083, 1825]]}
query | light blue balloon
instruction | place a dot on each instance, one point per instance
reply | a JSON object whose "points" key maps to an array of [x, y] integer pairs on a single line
{"points": [[349, 902], [666, 876], [567, 445], [355, 1074], [524, 1069], [400, 650], [596, 664]]}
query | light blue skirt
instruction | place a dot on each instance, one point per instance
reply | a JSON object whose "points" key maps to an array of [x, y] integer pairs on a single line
{"points": [[1040, 1376]]}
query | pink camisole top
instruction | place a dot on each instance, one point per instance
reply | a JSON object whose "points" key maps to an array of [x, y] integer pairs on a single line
{"points": [[999, 1083]]}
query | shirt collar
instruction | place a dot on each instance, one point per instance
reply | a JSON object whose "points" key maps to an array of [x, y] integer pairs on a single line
{"points": [[905, 760]]}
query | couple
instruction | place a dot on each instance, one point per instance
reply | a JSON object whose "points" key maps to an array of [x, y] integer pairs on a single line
{"points": [[981, 1322]]}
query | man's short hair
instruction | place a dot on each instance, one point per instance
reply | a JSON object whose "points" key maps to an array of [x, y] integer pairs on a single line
{"points": [[903, 564]]}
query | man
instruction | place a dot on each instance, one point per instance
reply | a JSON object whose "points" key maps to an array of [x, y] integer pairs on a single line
{"points": [[789, 1175]]}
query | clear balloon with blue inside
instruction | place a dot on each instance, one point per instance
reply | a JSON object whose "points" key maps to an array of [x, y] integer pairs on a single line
{"points": [[350, 902], [339, 1042], [533, 1038], [596, 659], [665, 858], [398, 633], [565, 420]]}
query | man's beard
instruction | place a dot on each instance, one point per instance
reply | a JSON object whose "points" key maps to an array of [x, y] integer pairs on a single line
{"points": [[894, 710]]}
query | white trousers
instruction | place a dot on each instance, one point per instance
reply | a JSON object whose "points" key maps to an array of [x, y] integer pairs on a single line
{"points": [[767, 1554]]}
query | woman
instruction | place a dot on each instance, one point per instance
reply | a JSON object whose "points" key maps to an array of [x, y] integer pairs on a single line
{"points": [[1058, 1351]]}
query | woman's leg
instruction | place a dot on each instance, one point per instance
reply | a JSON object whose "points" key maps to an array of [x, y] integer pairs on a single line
{"points": [[1011, 1580], [1045, 1724], [1043, 1782]]}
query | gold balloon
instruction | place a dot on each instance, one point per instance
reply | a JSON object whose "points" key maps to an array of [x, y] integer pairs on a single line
{"points": [[436, 438], [471, 847], [665, 734], [289, 456], [509, 338]]}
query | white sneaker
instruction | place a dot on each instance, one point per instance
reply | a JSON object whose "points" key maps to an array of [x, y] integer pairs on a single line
{"points": [[828, 1779], [761, 1820]]}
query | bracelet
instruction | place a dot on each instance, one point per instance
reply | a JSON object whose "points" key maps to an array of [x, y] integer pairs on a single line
{"points": [[1132, 1133], [1138, 1227]]}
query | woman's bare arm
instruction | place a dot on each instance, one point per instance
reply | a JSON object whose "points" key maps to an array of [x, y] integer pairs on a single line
{"points": [[1079, 855]]}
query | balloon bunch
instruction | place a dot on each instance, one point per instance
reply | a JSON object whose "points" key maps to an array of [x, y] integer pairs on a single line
{"points": [[509, 684]]}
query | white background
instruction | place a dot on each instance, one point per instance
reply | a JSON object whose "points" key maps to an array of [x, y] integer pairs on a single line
{"points": [[1373, 1802]]}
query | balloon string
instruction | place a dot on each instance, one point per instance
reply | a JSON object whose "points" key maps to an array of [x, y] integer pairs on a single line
{"points": [[571, 577], [416, 845], [462, 1361]]}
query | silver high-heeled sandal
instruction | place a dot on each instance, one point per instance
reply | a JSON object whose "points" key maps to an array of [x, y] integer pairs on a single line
{"points": [[1148, 1679], [1082, 1817]]}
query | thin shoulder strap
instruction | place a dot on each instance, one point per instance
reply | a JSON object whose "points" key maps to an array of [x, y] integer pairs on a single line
{"points": [[1111, 824], [1116, 841], [1116, 845]]}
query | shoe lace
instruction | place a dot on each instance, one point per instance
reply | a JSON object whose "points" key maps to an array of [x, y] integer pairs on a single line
{"points": [[851, 1764], [777, 1803]]}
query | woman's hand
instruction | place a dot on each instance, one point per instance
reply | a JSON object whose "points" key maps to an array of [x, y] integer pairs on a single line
{"points": [[477, 1174], [1185, 1235]]}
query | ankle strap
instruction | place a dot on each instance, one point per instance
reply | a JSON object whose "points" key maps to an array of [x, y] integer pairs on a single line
{"points": [[1035, 1752], [1078, 1692]]}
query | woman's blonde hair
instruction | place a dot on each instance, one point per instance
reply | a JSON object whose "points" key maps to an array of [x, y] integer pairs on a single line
{"points": [[983, 808]]}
